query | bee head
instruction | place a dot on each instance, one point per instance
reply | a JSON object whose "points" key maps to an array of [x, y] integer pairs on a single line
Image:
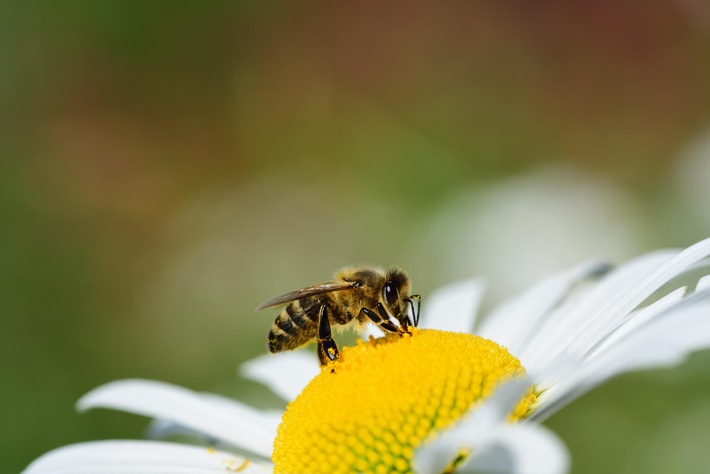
{"points": [[394, 292]]}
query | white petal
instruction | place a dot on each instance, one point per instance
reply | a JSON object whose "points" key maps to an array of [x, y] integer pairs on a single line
{"points": [[496, 445], [638, 319], [703, 283], [140, 457], [453, 307], [608, 317], [472, 430], [268, 417], [512, 323], [236, 424], [665, 341], [286, 374], [607, 299], [520, 449], [164, 428]]}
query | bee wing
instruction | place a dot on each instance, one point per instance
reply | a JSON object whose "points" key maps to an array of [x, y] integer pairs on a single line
{"points": [[319, 289]]}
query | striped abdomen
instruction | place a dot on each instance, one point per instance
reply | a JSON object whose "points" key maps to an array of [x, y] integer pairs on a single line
{"points": [[295, 325]]}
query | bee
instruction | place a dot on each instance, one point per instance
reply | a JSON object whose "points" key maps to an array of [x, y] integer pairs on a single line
{"points": [[356, 296]]}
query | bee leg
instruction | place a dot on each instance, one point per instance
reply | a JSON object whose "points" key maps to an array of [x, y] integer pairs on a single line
{"points": [[384, 324], [402, 329], [406, 323], [327, 348]]}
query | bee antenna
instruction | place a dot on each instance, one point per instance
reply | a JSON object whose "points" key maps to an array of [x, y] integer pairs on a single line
{"points": [[415, 314]]}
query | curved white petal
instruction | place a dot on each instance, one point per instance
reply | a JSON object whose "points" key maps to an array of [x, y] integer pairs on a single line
{"points": [[602, 305], [472, 430], [453, 307], [235, 424], [703, 283], [636, 320], [512, 323], [164, 428], [286, 374], [607, 317], [519, 449], [664, 341], [141, 457]]}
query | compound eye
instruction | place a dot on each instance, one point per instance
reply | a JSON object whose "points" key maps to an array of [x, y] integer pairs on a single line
{"points": [[390, 293]]}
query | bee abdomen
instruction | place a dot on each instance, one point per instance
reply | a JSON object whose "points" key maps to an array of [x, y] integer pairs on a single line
{"points": [[292, 328]]}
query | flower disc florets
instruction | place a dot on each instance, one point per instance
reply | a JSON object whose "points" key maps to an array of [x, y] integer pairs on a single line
{"points": [[370, 410]]}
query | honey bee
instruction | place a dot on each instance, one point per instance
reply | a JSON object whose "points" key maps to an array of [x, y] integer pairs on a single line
{"points": [[356, 296]]}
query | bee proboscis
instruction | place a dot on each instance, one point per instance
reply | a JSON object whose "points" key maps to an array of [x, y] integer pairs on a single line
{"points": [[357, 295]]}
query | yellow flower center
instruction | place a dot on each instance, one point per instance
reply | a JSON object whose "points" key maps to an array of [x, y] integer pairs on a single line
{"points": [[370, 410]]}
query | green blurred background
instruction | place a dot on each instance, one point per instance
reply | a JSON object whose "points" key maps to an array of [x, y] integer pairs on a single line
{"points": [[165, 167]]}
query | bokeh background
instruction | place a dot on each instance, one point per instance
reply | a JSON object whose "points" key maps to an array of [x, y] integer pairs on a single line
{"points": [[166, 166]]}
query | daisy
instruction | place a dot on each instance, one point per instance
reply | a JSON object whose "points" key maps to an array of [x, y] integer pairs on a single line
{"points": [[467, 396]]}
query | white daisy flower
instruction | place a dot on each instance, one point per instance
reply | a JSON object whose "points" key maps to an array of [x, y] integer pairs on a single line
{"points": [[442, 400]]}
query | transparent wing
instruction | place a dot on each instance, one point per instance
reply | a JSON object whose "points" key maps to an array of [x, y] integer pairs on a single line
{"points": [[304, 292]]}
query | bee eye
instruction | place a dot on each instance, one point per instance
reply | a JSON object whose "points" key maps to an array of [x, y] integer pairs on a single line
{"points": [[390, 293]]}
